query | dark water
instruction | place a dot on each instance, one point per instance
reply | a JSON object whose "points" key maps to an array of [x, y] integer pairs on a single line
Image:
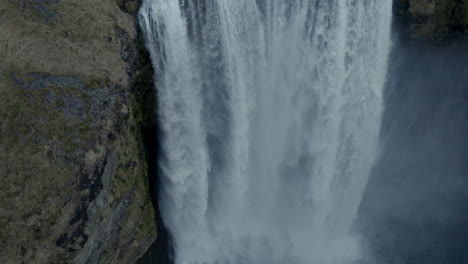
{"points": [[415, 210]]}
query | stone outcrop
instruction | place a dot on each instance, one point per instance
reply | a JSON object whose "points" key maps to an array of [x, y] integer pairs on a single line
{"points": [[74, 172], [436, 20]]}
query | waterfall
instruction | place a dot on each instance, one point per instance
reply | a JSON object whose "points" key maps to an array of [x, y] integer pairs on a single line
{"points": [[270, 113]]}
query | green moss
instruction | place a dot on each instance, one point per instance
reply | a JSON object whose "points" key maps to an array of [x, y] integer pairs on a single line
{"points": [[131, 171], [147, 219], [104, 258], [46, 133], [93, 82]]}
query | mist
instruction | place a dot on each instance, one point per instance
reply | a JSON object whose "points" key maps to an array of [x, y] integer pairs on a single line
{"points": [[270, 114], [302, 132], [416, 203]]}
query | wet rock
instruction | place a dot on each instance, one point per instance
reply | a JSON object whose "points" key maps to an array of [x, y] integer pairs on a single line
{"points": [[434, 20]]}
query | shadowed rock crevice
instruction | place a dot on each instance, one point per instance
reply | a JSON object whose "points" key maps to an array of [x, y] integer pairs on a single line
{"points": [[146, 95], [432, 20]]}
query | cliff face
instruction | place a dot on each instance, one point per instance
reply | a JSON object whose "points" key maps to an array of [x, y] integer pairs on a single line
{"points": [[73, 172], [435, 20]]}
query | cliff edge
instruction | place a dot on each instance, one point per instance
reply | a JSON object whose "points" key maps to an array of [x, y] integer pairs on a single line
{"points": [[74, 173]]}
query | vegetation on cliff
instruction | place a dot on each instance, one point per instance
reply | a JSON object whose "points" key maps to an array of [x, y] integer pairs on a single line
{"points": [[74, 170]]}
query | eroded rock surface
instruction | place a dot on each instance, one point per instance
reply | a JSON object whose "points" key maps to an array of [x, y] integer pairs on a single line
{"points": [[73, 172]]}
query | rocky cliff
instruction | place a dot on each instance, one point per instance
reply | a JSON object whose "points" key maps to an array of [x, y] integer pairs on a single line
{"points": [[74, 85], [74, 173], [435, 20]]}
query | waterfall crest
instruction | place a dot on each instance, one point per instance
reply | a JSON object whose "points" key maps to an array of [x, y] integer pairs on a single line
{"points": [[270, 112]]}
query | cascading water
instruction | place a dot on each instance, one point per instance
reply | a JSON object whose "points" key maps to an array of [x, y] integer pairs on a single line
{"points": [[270, 113]]}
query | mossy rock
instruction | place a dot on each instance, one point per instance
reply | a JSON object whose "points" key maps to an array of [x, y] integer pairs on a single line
{"points": [[71, 144]]}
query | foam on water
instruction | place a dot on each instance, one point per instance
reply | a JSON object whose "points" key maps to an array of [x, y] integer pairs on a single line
{"points": [[270, 113]]}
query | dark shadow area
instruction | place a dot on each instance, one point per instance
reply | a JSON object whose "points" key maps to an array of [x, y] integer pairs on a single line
{"points": [[146, 96], [415, 209]]}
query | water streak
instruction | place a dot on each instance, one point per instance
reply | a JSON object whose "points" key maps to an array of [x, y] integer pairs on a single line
{"points": [[270, 112]]}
